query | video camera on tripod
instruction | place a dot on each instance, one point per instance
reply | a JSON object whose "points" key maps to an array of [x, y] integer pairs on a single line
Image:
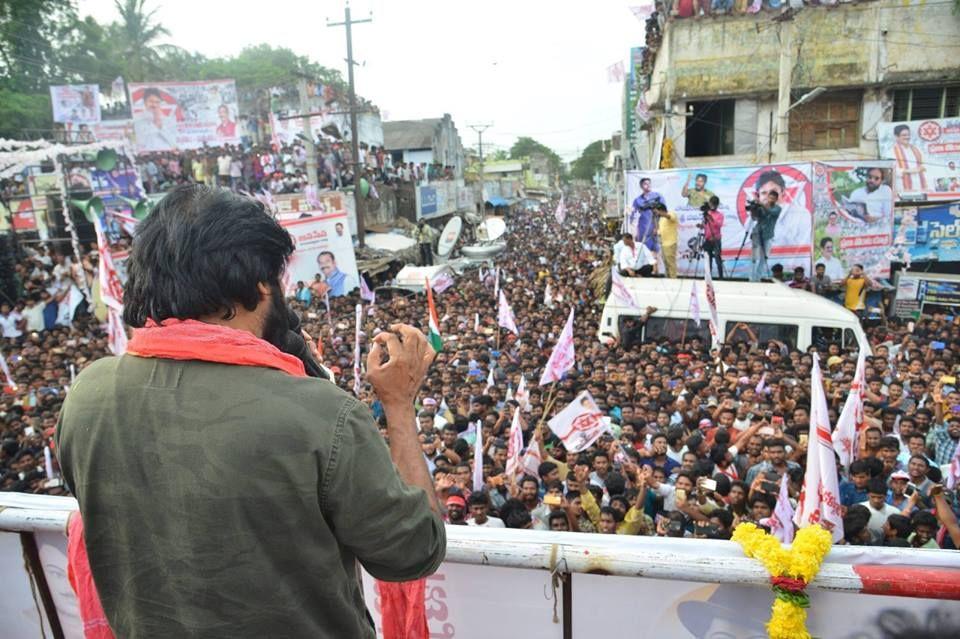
{"points": [[756, 210]]}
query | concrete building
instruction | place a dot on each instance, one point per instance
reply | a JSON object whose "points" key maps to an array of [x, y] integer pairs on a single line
{"points": [[803, 83], [433, 140]]}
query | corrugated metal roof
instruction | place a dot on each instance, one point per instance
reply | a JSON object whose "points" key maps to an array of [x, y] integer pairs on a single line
{"points": [[403, 135]]}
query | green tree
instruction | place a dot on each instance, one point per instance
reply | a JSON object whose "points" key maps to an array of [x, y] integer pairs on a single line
{"points": [[525, 147], [591, 160], [137, 33], [30, 31]]}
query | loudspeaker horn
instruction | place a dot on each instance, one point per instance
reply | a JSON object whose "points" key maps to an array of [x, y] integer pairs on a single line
{"points": [[91, 207]]}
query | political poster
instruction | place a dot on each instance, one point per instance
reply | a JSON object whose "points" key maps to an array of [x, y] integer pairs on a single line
{"points": [[926, 155], [119, 131], [332, 125], [853, 217], [323, 247], [26, 214], [579, 424], [927, 234], [685, 190], [184, 115], [75, 103]]}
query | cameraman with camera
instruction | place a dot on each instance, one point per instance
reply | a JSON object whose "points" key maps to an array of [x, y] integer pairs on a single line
{"points": [[712, 226], [764, 211]]}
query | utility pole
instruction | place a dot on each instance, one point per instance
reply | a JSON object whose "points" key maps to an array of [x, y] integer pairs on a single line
{"points": [[354, 141], [480, 128], [308, 133], [783, 90]]}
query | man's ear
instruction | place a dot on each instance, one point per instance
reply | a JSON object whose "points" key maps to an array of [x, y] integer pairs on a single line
{"points": [[264, 290]]}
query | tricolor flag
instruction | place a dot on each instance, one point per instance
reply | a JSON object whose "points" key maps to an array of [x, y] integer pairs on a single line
{"points": [[620, 291], [561, 212], [695, 304], [712, 303], [781, 521], [356, 350], [514, 445], [434, 334], [505, 316], [851, 417], [819, 501], [562, 358]]}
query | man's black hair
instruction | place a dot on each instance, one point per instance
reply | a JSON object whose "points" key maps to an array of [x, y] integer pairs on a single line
{"points": [[479, 498], [546, 468], [859, 467], [876, 486], [200, 252], [771, 176]]}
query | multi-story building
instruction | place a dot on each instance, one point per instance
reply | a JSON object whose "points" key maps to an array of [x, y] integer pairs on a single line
{"points": [[429, 141], [800, 82]]}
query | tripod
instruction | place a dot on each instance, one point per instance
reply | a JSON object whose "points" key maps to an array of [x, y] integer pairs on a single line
{"points": [[697, 247]]}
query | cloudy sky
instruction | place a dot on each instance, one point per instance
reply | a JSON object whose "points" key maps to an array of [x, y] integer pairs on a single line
{"points": [[528, 67]]}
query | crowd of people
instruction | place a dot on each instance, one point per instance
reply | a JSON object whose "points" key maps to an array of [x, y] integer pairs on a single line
{"points": [[698, 438]]}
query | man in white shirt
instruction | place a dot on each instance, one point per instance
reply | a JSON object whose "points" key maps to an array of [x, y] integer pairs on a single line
{"points": [[879, 508], [479, 504], [877, 196], [10, 322], [33, 313], [635, 259], [618, 248], [223, 169], [833, 266]]}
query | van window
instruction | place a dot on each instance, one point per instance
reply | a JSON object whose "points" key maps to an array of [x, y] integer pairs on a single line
{"points": [[659, 327], [850, 340], [786, 333], [822, 336]]}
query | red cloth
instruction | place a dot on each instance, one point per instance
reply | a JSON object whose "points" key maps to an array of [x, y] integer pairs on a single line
{"points": [[95, 625], [403, 613]]}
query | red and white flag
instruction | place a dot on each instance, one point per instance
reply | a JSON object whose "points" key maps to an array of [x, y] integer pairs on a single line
{"points": [[111, 292], [820, 496], [562, 358], [365, 292], [851, 417], [441, 282], [356, 350], [530, 463], [620, 291], [522, 396], [642, 110], [505, 316], [116, 332], [712, 303], [695, 304], [781, 521], [478, 461], [514, 445], [579, 424], [615, 72], [561, 211]]}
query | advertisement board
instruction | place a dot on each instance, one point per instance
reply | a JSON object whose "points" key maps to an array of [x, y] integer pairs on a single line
{"points": [[75, 103], [853, 217], [685, 190], [916, 290], [927, 157], [334, 125], [184, 115], [119, 131], [322, 246], [927, 233], [428, 200]]}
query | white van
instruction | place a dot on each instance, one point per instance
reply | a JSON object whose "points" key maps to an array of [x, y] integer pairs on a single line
{"points": [[772, 311]]}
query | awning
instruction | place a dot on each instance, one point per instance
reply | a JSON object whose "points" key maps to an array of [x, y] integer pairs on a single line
{"points": [[496, 200]]}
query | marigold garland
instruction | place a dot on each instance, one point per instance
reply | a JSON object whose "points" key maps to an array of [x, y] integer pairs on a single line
{"points": [[790, 572]]}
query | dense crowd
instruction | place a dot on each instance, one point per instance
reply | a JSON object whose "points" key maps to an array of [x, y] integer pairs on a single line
{"points": [[698, 439]]}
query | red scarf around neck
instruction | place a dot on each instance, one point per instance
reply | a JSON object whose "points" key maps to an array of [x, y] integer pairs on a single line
{"points": [[196, 340]]}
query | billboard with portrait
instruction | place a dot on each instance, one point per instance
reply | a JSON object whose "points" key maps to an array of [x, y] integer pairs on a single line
{"points": [[927, 234], [853, 216], [926, 154], [75, 103], [685, 190], [322, 246], [184, 115]]}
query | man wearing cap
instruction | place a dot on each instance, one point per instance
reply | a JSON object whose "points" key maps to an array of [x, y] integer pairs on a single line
{"points": [[456, 510], [897, 497]]}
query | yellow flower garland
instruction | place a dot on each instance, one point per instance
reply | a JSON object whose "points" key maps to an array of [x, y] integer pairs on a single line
{"points": [[790, 571]]}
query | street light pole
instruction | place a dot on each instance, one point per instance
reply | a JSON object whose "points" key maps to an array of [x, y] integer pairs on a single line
{"points": [[480, 128]]}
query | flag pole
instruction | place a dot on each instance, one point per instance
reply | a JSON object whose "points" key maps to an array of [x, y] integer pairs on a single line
{"points": [[548, 405], [498, 337]]}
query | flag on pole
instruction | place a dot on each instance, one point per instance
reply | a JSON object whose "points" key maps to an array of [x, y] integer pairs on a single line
{"points": [[434, 334], [562, 358], [356, 350], [548, 296], [781, 521], [953, 472], [695, 304], [365, 292], [496, 281], [478, 461], [620, 291], [476, 322], [505, 316], [530, 464], [850, 421], [819, 501], [490, 381], [615, 72], [642, 12], [116, 332], [514, 445], [561, 212], [579, 424], [522, 396], [48, 462], [6, 372], [712, 303], [111, 292]]}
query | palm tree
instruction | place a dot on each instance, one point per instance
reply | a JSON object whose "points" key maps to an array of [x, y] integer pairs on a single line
{"points": [[136, 34]]}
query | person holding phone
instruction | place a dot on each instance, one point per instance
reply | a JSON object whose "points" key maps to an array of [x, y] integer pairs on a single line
{"points": [[855, 286]]}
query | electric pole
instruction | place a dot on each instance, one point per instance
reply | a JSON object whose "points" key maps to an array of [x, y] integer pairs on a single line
{"points": [[780, 142], [480, 128], [354, 141]]}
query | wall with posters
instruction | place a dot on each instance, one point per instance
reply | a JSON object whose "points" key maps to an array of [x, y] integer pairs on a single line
{"points": [[369, 127], [735, 185], [75, 103], [184, 115], [322, 246], [927, 233], [927, 157], [120, 131], [443, 197], [853, 216]]}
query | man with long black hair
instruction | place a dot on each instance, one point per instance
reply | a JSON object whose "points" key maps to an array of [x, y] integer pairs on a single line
{"points": [[226, 493]]}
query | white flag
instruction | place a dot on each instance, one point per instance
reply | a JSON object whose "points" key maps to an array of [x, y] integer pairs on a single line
{"points": [[496, 281], [548, 296], [476, 322], [561, 212], [514, 446], [116, 332], [820, 496], [116, 88], [6, 372], [490, 381], [478, 461], [695, 304], [781, 522], [562, 358], [530, 464], [643, 12], [953, 470], [712, 303], [579, 424], [509, 396], [505, 317], [851, 417], [615, 72], [356, 351], [620, 291], [522, 395]]}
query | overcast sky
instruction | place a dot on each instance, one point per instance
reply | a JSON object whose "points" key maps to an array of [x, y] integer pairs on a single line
{"points": [[528, 67]]}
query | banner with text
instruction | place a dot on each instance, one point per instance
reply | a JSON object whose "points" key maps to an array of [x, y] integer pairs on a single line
{"points": [[184, 115], [927, 157], [75, 103], [685, 190], [332, 125], [853, 216], [927, 233], [323, 247]]}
